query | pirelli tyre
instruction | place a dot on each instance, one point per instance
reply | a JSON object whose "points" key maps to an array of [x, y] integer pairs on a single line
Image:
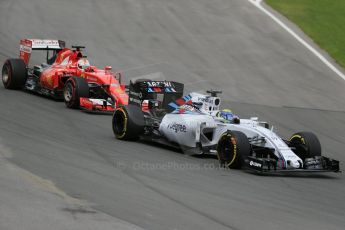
{"points": [[232, 149], [128, 122], [75, 88], [14, 74], [305, 145]]}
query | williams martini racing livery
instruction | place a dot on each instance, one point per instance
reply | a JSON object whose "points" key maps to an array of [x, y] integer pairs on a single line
{"points": [[66, 74], [196, 124]]}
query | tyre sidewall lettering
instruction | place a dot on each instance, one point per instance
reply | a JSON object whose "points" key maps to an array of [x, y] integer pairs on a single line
{"points": [[125, 123], [232, 140], [9, 68]]}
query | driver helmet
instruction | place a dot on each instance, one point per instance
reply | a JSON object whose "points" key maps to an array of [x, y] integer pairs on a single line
{"points": [[226, 114], [83, 64]]}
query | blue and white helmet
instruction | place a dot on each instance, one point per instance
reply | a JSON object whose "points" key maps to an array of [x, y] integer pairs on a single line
{"points": [[226, 114]]}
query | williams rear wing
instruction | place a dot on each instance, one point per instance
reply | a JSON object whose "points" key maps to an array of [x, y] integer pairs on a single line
{"points": [[27, 45], [143, 89]]}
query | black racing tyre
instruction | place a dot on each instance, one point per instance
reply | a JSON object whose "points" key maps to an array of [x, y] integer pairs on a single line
{"points": [[232, 149], [14, 74], [75, 88], [128, 122], [306, 145]]}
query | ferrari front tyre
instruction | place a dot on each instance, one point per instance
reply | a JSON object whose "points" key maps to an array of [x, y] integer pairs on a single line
{"points": [[232, 149], [305, 145], [14, 74], [128, 122], [75, 88]]}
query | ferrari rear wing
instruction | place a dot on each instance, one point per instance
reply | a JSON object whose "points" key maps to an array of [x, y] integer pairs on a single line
{"points": [[27, 45]]}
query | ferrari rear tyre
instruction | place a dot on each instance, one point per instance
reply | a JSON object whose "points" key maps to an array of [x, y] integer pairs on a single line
{"points": [[75, 88], [128, 122], [232, 149], [306, 145], [14, 74]]}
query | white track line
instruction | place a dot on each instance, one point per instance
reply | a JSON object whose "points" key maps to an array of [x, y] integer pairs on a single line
{"points": [[257, 3]]}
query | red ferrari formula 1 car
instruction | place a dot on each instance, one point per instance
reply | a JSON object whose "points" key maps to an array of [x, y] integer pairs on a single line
{"points": [[67, 75]]}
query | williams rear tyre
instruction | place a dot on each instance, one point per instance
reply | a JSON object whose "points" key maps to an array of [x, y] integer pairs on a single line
{"points": [[305, 145], [232, 149], [128, 122], [14, 74], [75, 88]]}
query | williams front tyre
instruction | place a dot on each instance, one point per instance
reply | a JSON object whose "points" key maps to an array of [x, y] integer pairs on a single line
{"points": [[232, 149], [305, 145]]}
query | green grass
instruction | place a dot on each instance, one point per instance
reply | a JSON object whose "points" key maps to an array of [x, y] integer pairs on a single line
{"points": [[322, 20]]}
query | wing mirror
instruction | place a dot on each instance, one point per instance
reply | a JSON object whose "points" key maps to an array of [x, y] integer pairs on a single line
{"points": [[108, 68]]}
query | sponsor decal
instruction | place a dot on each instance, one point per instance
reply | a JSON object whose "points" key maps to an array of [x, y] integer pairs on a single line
{"points": [[290, 156], [255, 164], [298, 137], [203, 99], [135, 100], [140, 95], [159, 84], [170, 90], [177, 128], [313, 162], [92, 78], [37, 42], [275, 138], [118, 90], [26, 49]]}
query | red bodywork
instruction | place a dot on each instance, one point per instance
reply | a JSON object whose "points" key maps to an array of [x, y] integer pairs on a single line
{"points": [[66, 65]]}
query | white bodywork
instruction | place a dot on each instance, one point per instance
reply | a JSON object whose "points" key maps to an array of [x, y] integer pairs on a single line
{"points": [[204, 128]]}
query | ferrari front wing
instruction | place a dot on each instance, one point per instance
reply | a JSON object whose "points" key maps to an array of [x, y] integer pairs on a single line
{"points": [[91, 104]]}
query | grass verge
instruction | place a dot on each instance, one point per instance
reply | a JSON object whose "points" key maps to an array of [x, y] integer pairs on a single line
{"points": [[322, 20]]}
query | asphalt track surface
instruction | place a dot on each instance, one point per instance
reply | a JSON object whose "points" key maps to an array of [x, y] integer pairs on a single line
{"points": [[223, 44]]}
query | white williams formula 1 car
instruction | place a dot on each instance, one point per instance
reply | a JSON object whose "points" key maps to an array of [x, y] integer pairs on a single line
{"points": [[158, 112]]}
